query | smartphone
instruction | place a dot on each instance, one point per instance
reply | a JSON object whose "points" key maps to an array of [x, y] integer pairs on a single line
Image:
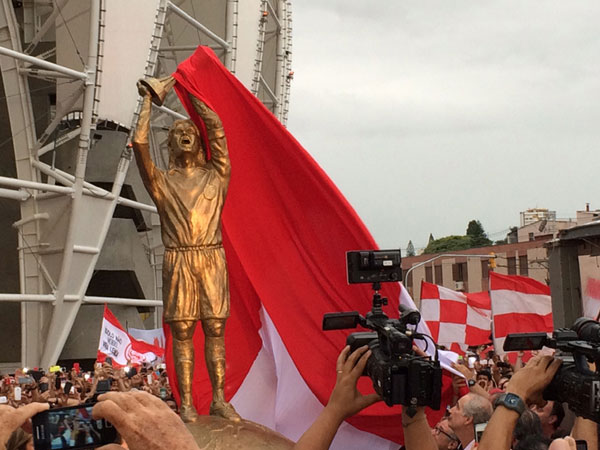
{"points": [[67, 387], [108, 360], [103, 386], [17, 393], [71, 427], [3, 399], [43, 387], [25, 380], [479, 428], [580, 444], [36, 374]]}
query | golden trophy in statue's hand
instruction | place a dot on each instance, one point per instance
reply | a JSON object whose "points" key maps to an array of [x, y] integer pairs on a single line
{"points": [[189, 196]]}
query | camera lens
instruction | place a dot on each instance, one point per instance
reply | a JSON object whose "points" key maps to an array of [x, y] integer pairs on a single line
{"points": [[587, 329]]}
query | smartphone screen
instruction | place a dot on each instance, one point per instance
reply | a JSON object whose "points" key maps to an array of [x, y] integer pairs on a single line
{"points": [[71, 428], [580, 444]]}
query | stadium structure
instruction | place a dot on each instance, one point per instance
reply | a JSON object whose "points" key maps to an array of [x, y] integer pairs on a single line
{"points": [[77, 228]]}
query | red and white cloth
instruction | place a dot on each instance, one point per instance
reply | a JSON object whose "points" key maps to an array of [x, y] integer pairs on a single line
{"points": [[591, 299], [456, 320], [519, 305], [116, 343], [286, 229]]}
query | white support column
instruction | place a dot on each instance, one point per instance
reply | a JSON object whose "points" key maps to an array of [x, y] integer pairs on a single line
{"points": [[279, 58], [64, 315], [231, 25]]}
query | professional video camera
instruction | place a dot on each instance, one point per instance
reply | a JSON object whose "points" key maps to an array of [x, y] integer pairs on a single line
{"points": [[398, 375], [574, 383]]}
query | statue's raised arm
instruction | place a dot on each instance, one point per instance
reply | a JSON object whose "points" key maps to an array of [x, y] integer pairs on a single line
{"points": [[216, 137]]}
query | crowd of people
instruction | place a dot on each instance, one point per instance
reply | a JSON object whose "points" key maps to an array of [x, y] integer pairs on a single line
{"points": [[59, 387], [503, 400]]}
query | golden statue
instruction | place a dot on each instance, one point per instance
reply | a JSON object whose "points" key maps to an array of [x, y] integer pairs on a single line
{"points": [[189, 197]]}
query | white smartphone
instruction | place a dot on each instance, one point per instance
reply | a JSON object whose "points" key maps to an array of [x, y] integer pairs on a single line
{"points": [[479, 428], [18, 394]]}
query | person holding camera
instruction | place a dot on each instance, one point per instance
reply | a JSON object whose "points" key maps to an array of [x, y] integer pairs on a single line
{"points": [[526, 388], [346, 400]]}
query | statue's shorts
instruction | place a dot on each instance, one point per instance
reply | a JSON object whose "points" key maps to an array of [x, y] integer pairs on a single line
{"points": [[195, 284]]}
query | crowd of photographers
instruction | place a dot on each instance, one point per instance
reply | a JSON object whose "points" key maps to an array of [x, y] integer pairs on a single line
{"points": [[496, 406]]}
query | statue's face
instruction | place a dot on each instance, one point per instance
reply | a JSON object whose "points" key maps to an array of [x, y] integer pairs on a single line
{"points": [[185, 138]]}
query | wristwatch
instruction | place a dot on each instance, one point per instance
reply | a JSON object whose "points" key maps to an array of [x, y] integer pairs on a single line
{"points": [[471, 382], [510, 401]]}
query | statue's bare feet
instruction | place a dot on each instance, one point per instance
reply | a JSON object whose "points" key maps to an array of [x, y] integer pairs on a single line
{"points": [[188, 413], [225, 410]]}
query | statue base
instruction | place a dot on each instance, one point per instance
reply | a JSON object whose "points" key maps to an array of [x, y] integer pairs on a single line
{"points": [[216, 433]]}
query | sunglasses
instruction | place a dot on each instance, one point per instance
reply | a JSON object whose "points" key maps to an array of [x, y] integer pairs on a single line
{"points": [[438, 430]]}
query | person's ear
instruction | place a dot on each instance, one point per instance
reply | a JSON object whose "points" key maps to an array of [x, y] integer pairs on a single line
{"points": [[553, 418], [453, 445]]}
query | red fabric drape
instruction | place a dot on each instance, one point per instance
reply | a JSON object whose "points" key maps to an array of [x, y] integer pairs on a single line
{"points": [[286, 230]]}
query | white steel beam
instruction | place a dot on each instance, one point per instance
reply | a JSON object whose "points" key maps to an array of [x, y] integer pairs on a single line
{"points": [[41, 73], [59, 141], [44, 64], [15, 182], [14, 195], [268, 90], [170, 112], [90, 189], [189, 19]]}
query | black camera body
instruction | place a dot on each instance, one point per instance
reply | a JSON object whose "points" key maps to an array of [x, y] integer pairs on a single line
{"points": [[574, 383], [399, 376]]}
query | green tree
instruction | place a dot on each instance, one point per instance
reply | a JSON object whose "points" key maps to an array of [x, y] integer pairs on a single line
{"points": [[448, 244], [477, 234], [410, 249]]}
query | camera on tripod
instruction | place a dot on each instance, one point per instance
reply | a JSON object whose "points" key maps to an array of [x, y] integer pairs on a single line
{"points": [[399, 376], [574, 383]]}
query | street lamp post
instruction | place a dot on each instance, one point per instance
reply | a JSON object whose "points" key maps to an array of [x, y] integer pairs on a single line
{"points": [[449, 255]]}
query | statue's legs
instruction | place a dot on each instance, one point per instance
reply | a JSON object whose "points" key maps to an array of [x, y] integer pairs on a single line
{"points": [[214, 353], [183, 354]]}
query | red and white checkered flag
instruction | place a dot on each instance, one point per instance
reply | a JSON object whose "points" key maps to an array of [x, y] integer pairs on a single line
{"points": [[456, 319]]}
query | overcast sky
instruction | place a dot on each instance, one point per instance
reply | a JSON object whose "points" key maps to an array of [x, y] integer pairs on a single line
{"points": [[427, 114]]}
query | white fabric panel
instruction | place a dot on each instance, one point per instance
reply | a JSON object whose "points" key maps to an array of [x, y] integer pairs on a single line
{"points": [[451, 332], [430, 309], [591, 307], [480, 318], [275, 395], [449, 294], [128, 35], [509, 302], [152, 337]]}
